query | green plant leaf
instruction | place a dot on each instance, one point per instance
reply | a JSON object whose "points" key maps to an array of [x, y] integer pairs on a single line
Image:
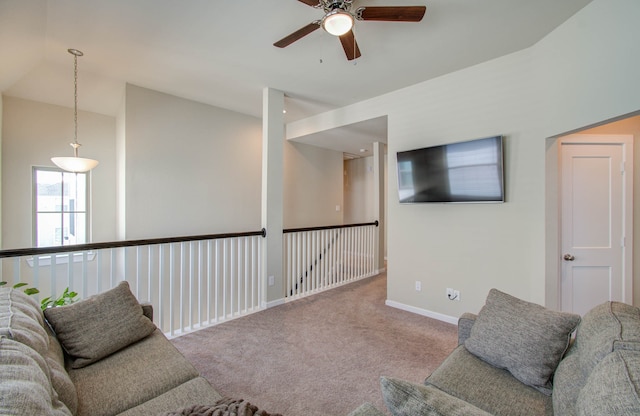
{"points": [[66, 298], [19, 285], [3, 283], [31, 291]]}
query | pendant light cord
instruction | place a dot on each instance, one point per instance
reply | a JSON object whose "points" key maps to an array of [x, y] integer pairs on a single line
{"points": [[75, 143], [75, 103], [75, 164]]}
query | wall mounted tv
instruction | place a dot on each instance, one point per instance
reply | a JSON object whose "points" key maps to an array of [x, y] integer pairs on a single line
{"points": [[469, 171]]}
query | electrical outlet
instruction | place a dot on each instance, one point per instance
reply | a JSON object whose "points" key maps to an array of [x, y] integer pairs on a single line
{"points": [[453, 294], [418, 286], [271, 281]]}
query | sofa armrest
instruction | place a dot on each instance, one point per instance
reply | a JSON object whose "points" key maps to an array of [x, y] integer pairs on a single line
{"points": [[147, 310], [465, 322], [404, 398]]}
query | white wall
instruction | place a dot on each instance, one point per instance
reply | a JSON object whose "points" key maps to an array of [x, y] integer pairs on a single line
{"points": [[195, 169], [168, 167], [581, 74], [587, 69], [1, 106], [312, 186], [359, 195], [191, 168], [468, 247], [358, 190], [32, 133], [631, 126]]}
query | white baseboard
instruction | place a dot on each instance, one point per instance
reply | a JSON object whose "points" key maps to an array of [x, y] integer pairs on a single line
{"points": [[423, 312], [282, 301], [273, 303]]}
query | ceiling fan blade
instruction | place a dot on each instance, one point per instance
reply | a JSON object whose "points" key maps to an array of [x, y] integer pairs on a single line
{"points": [[298, 34], [312, 3], [392, 13], [350, 46]]}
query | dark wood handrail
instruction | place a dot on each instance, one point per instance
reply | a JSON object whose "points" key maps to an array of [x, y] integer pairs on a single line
{"points": [[117, 244], [328, 227]]}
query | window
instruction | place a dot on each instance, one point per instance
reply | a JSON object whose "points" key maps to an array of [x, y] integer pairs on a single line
{"points": [[60, 207]]}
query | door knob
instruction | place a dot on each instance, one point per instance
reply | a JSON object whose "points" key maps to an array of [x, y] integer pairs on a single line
{"points": [[569, 257]]}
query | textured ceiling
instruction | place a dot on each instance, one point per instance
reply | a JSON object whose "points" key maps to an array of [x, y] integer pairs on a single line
{"points": [[221, 52]]}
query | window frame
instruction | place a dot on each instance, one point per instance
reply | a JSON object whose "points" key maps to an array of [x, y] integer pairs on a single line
{"points": [[62, 212]]}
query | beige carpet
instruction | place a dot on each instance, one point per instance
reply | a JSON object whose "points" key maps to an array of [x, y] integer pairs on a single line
{"points": [[322, 355]]}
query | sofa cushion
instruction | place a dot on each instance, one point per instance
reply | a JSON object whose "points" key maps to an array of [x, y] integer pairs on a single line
{"points": [[404, 398], [612, 387], [21, 320], [465, 376], [568, 380], [196, 390], [527, 339], [608, 326], [100, 325], [60, 380], [131, 376], [25, 388]]}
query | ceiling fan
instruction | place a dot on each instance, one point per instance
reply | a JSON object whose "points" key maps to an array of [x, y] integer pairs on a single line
{"points": [[338, 20]]}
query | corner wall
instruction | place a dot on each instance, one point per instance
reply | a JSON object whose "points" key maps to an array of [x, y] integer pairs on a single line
{"points": [[190, 168], [631, 126], [312, 186], [358, 190], [1, 117], [32, 133], [579, 75]]}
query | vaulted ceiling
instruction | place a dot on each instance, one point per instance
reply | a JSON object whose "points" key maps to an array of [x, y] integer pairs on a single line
{"points": [[221, 52]]}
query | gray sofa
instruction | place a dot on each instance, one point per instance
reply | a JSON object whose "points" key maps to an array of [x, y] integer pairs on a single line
{"points": [[517, 358], [117, 361]]}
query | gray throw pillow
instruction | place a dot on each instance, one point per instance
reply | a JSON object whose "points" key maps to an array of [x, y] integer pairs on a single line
{"points": [[100, 325], [527, 339]]}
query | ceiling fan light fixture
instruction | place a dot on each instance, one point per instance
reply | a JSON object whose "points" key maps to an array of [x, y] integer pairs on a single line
{"points": [[337, 22]]}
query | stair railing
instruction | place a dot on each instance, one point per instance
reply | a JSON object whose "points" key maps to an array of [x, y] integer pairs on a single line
{"points": [[320, 258]]}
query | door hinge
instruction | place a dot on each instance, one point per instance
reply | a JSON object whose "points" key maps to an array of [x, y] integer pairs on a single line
{"points": [[622, 242], [622, 168]]}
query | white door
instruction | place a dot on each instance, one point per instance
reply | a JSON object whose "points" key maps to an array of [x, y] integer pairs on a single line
{"points": [[596, 198]]}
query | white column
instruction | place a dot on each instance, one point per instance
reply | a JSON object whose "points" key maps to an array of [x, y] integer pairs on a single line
{"points": [[272, 192], [379, 201]]}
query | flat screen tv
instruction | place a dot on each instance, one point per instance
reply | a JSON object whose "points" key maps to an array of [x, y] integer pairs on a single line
{"points": [[469, 171]]}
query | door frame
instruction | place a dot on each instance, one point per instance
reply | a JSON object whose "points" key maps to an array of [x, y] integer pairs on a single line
{"points": [[554, 205]]}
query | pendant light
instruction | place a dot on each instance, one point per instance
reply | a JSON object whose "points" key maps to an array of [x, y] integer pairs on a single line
{"points": [[75, 163]]}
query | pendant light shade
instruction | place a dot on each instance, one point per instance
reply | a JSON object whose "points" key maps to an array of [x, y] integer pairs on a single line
{"points": [[75, 163]]}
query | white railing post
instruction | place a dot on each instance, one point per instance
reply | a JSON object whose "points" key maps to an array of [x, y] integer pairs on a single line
{"points": [[174, 274], [316, 260]]}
